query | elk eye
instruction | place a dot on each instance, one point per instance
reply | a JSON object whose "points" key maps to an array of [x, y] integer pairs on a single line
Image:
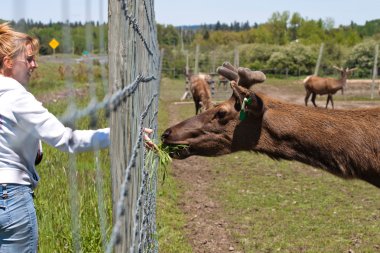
{"points": [[221, 114]]}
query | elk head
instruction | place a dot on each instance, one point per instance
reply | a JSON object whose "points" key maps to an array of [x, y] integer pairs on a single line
{"points": [[344, 73], [230, 126]]}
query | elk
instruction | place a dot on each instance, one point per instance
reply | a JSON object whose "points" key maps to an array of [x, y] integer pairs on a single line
{"points": [[319, 85], [210, 81], [200, 91], [345, 143]]}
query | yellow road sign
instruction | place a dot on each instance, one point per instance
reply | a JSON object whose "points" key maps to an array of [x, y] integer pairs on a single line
{"points": [[54, 43]]}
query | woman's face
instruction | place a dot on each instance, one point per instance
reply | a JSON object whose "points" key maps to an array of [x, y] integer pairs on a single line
{"points": [[24, 65]]}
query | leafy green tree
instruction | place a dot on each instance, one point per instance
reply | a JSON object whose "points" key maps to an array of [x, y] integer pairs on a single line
{"points": [[345, 36], [168, 35], [206, 35], [173, 62], [333, 54], [362, 56], [370, 28], [262, 34], [256, 56], [218, 26], [328, 24], [296, 58], [311, 32], [278, 26], [223, 38], [295, 23]]}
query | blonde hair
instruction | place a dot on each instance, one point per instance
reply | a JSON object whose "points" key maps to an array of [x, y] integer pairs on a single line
{"points": [[14, 43]]}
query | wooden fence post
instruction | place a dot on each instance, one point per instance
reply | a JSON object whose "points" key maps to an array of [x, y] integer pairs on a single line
{"points": [[374, 72]]}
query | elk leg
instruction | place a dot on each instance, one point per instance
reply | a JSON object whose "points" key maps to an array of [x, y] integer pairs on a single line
{"points": [[313, 99], [329, 98], [307, 97], [197, 106]]}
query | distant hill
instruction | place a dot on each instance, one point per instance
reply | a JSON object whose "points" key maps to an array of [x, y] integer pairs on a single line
{"points": [[189, 27]]}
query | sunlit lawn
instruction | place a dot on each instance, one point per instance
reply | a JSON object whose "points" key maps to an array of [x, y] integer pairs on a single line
{"points": [[275, 206]]}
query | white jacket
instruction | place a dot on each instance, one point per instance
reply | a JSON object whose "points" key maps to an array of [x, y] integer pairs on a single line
{"points": [[23, 122]]}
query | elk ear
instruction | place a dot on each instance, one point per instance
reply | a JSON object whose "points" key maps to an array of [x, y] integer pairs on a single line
{"points": [[239, 92], [250, 103], [256, 107]]}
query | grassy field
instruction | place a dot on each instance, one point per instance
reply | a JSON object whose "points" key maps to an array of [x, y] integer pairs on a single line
{"points": [[170, 220], [274, 206], [290, 207], [53, 200]]}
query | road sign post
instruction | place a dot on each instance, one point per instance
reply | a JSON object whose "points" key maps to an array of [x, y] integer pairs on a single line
{"points": [[54, 44]]}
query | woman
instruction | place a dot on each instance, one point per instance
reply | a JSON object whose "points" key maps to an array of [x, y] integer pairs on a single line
{"points": [[23, 122]]}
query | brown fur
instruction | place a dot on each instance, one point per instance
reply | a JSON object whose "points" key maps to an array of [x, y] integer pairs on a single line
{"points": [[345, 143], [200, 91], [315, 85]]}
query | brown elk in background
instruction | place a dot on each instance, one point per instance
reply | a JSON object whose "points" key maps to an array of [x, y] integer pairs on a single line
{"points": [[200, 91], [315, 85], [345, 143]]}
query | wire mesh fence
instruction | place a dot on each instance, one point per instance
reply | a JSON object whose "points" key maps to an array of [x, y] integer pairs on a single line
{"points": [[134, 74], [131, 104], [133, 58]]}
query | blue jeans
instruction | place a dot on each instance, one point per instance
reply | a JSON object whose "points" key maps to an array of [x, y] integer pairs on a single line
{"points": [[18, 221]]}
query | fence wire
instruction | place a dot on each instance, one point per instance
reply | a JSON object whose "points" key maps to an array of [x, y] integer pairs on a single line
{"points": [[134, 73], [131, 105]]}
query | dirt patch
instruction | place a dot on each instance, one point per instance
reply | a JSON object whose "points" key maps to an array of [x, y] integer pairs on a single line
{"points": [[341, 101], [205, 228]]}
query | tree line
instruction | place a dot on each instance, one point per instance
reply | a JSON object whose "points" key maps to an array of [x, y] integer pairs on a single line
{"points": [[285, 42], [83, 37], [281, 29]]}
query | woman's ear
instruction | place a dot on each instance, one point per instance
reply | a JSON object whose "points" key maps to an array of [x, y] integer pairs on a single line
{"points": [[8, 62]]}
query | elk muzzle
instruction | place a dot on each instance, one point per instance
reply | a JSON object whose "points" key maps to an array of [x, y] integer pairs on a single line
{"points": [[177, 149]]}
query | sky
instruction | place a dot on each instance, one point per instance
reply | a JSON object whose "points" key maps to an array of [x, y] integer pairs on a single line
{"points": [[54, 10], [180, 12], [196, 12]]}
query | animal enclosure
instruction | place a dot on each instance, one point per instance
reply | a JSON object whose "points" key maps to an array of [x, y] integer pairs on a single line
{"points": [[283, 206], [134, 67], [116, 87]]}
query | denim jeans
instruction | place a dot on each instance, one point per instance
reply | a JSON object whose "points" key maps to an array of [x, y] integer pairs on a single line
{"points": [[18, 221]]}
